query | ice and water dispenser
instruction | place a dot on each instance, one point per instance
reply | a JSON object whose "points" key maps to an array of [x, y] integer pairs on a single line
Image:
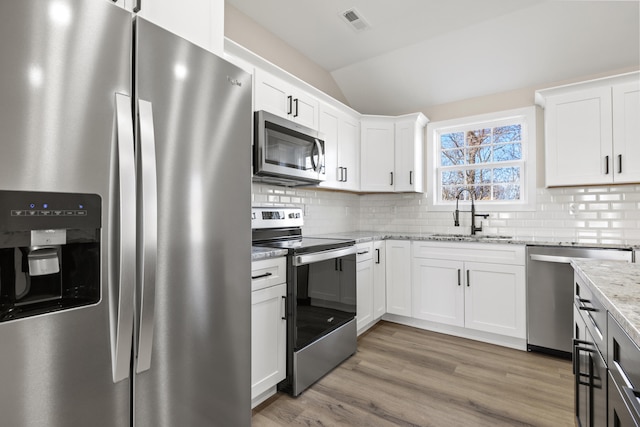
{"points": [[49, 252]]}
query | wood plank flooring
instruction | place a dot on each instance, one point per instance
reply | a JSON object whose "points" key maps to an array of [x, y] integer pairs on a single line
{"points": [[402, 376]]}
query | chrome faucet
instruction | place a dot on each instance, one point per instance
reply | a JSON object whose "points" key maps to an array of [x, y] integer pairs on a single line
{"points": [[456, 214]]}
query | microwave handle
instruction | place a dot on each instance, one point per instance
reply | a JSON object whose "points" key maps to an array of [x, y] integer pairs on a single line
{"points": [[318, 167]]}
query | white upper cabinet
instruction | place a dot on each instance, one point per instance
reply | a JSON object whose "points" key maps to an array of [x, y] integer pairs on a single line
{"points": [[626, 132], [199, 21], [592, 132], [409, 153], [377, 154], [341, 133], [392, 153], [285, 100]]}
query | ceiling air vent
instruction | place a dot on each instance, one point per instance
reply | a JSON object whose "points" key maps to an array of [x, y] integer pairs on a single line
{"points": [[355, 20]]}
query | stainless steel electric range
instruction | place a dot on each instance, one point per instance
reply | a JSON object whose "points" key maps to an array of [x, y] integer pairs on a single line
{"points": [[321, 295]]}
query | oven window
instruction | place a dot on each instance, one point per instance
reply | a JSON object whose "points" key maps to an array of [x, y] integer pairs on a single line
{"points": [[325, 298]]}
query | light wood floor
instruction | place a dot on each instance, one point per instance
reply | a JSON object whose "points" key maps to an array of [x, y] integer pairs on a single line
{"points": [[402, 376]]}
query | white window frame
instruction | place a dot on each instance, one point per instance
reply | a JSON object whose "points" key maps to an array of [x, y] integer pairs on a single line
{"points": [[528, 116]]}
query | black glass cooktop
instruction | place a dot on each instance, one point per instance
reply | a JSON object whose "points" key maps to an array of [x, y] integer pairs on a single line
{"points": [[303, 245]]}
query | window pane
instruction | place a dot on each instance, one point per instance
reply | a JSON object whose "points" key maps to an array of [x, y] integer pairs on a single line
{"points": [[478, 137], [510, 133], [453, 177], [506, 192], [451, 140], [479, 176], [506, 175], [449, 192], [478, 155], [452, 157], [507, 152], [482, 192]]}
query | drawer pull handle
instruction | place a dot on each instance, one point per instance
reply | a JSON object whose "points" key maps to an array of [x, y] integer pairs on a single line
{"points": [[362, 253], [260, 276]]}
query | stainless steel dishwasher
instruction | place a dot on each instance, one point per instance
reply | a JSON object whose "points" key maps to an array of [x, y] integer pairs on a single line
{"points": [[550, 294]]}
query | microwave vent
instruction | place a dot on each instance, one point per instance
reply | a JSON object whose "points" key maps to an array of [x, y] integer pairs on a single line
{"points": [[355, 20]]}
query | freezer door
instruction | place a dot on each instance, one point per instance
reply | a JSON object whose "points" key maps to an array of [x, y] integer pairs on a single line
{"points": [[62, 64], [198, 370]]}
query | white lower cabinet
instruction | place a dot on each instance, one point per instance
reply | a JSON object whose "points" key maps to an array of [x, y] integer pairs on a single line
{"points": [[379, 280], [268, 327], [364, 279], [398, 277], [475, 290]]}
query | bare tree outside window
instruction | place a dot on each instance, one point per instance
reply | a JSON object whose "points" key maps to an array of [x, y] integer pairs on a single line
{"points": [[485, 160]]}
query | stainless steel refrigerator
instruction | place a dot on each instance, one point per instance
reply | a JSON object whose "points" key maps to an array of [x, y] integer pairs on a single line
{"points": [[124, 146]]}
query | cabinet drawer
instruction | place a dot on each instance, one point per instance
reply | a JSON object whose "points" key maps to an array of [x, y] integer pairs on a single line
{"points": [[478, 252], [268, 272], [364, 251], [624, 356], [593, 313]]}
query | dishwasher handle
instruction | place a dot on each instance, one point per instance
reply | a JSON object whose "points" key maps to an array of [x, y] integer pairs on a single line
{"points": [[551, 258]]}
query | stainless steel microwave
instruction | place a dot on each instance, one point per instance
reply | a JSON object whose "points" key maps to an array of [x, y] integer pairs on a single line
{"points": [[286, 153]]}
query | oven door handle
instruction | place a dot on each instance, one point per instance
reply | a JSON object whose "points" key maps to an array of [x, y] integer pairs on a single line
{"points": [[299, 260]]}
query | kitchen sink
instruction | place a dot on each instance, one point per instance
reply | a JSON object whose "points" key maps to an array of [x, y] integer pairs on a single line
{"points": [[476, 237]]}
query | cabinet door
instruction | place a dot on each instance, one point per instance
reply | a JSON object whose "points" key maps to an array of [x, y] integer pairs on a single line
{"points": [[364, 310], [626, 133], [268, 338], [438, 290], [408, 157], [579, 138], [305, 109], [379, 279], [190, 19], [495, 298], [328, 125], [349, 152], [398, 266], [377, 156], [271, 94]]}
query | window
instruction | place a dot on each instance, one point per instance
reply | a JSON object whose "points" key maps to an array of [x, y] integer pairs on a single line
{"points": [[487, 155]]}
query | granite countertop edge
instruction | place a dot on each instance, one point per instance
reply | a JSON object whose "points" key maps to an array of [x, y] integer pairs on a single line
{"points": [[617, 286]]}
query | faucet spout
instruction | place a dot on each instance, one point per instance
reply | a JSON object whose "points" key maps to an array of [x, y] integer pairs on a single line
{"points": [[456, 215]]}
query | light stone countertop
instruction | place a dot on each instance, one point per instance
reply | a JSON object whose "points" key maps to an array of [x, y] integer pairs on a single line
{"points": [[617, 286], [368, 236]]}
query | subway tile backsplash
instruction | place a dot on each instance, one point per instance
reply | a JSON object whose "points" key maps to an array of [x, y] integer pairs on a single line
{"points": [[581, 214]]}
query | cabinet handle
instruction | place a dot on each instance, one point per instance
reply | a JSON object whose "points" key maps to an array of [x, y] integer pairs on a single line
{"points": [[362, 253], [296, 113], [459, 275], [340, 262], [619, 163], [391, 178], [346, 174], [377, 256], [468, 279], [290, 99], [606, 165], [284, 308], [137, 8], [261, 276], [340, 174], [580, 302], [410, 177]]}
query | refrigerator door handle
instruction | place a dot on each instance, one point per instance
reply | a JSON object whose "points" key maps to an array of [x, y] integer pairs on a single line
{"points": [[148, 232], [122, 243]]}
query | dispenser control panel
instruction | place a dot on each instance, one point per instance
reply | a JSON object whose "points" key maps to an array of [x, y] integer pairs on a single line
{"points": [[28, 210]]}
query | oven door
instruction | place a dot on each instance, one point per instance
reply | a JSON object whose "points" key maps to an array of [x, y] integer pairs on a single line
{"points": [[325, 294]]}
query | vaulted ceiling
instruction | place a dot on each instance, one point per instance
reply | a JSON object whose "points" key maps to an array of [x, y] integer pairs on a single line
{"points": [[420, 53]]}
